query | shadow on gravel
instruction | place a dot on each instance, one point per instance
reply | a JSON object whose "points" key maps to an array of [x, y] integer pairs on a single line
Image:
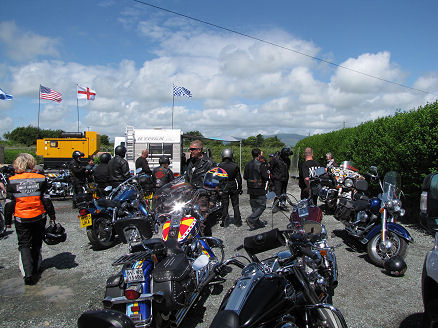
{"points": [[353, 244], [6, 234], [65, 260], [413, 321]]}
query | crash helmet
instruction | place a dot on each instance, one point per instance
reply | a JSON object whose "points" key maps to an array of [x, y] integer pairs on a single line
{"points": [[285, 152], [77, 154], [227, 153], [105, 158], [395, 266], [215, 179], [120, 151], [164, 160], [54, 234]]}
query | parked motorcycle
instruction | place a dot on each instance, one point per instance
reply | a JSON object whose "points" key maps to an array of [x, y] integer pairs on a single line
{"points": [[374, 220], [161, 279], [286, 290], [124, 212], [60, 183]]}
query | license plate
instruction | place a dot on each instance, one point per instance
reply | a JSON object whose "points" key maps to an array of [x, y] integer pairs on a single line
{"points": [[134, 275], [85, 220]]}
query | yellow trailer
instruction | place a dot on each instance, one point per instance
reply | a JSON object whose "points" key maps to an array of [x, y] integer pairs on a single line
{"points": [[58, 151]]}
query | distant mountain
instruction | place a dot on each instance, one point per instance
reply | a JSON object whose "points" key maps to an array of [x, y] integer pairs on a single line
{"points": [[290, 139]]}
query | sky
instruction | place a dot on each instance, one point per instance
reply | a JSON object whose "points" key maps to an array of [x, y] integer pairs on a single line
{"points": [[301, 67]]}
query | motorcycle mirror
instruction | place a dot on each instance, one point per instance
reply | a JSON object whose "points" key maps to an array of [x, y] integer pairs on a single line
{"points": [[137, 171], [270, 195], [200, 262], [108, 188]]}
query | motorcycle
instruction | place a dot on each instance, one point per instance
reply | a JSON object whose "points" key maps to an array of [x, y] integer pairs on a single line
{"points": [[124, 213], [161, 279], [286, 290], [374, 220], [60, 183]]}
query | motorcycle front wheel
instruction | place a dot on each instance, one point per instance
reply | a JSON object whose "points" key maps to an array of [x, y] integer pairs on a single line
{"points": [[101, 233], [377, 255]]}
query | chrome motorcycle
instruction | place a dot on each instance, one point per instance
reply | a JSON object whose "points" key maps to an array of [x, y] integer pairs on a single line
{"points": [[60, 183], [373, 220], [288, 289], [161, 279]]}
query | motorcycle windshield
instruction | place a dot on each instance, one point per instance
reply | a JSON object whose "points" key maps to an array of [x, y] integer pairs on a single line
{"points": [[348, 165], [391, 185], [171, 194]]}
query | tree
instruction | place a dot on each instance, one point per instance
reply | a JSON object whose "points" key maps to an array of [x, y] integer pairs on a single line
{"points": [[104, 140], [28, 135]]}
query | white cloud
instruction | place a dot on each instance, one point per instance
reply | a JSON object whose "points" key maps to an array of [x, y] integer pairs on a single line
{"points": [[21, 45]]}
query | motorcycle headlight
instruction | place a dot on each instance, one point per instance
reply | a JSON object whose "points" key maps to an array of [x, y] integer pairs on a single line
{"points": [[397, 204], [402, 212], [348, 183]]}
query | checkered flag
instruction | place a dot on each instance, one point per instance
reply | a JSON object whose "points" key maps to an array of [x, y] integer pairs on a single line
{"points": [[181, 91]]}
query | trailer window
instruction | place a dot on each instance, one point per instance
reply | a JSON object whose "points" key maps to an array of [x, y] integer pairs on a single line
{"points": [[157, 150], [53, 144]]}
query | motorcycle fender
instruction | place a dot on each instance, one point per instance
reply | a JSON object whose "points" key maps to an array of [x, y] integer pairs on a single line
{"points": [[390, 226]]}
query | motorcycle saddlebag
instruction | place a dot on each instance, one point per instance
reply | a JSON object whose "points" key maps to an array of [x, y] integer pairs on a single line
{"points": [[82, 199], [263, 241], [345, 209], [172, 277], [144, 226]]}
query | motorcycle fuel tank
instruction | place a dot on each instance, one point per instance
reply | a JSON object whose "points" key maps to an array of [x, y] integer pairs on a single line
{"points": [[374, 204], [128, 193], [188, 228]]}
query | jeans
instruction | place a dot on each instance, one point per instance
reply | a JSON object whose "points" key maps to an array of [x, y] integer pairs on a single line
{"points": [[258, 205]]}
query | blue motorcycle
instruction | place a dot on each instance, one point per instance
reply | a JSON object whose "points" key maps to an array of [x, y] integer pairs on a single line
{"points": [[124, 213], [374, 220]]}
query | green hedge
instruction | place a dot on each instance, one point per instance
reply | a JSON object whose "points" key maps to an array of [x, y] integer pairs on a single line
{"points": [[406, 142]]}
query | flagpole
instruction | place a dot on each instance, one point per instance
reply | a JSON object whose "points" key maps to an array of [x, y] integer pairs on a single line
{"points": [[173, 101], [77, 104], [39, 105]]}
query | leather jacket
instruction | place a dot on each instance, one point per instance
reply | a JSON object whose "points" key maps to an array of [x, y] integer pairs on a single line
{"points": [[234, 177], [161, 176], [256, 175], [197, 169], [118, 170], [279, 169]]}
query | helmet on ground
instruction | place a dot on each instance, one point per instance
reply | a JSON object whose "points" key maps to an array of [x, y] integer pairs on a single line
{"points": [[76, 154], [120, 151], [285, 152], [164, 160], [54, 234], [395, 266], [105, 157], [227, 153], [215, 179]]}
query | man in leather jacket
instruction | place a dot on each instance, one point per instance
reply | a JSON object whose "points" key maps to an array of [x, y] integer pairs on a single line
{"points": [[162, 174], [198, 166], [142, 163], [78, 172], [256, 175], [101, 172], [232, 189], [279, 168], [118, 167]]}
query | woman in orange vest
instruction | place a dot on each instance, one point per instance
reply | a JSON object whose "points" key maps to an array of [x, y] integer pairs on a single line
{"points": [[28, 201]]}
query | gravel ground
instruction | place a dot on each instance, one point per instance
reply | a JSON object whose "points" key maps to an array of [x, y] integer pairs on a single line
{"points": [[74, 277]]}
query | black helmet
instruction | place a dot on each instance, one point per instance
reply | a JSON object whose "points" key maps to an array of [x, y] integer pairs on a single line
{"points": [[76, 154], [285, 152], [227, 153], [105, 157], [54, 234], [395, 266], [120, 151], [164, 160]]}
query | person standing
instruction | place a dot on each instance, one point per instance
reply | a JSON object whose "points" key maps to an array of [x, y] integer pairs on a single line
{"points": [[198, 166], [118, 167], [162, 174], [232, 189], [29, 202], [142, 163], [307, 171], [330, 161], [78, 172], [101, 172], [279, 165], [256, 175]]}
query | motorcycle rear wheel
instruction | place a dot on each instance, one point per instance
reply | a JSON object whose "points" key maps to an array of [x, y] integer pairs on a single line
{"points": [[101, 234], [377, 257]]}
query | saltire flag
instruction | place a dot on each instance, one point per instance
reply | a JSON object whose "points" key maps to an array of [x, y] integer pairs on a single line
{"points": [[181, 91], [86, 93], [5, 96], [49, 94]]}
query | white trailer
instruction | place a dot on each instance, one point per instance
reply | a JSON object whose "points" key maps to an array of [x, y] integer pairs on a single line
{"points": [[158, 142]]}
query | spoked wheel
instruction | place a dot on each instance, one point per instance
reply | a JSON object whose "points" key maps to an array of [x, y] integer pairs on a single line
{"points": [[101, 234], [378, 252]]}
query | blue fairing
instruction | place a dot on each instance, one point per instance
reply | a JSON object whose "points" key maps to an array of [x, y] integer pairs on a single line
{"points": [[390, 226]]}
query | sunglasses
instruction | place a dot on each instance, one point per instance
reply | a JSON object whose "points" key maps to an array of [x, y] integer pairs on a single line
{"points": [[193, 149]]}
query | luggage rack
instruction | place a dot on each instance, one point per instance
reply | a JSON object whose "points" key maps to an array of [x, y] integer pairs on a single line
{"points": [[133, 257]]}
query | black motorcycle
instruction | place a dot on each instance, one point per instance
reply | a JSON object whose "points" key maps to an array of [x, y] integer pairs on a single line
{"points": [[286, 290]]}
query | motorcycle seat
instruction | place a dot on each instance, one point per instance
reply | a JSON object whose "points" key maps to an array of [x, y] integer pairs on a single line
{"points": [[102, 202], [225, 319]]}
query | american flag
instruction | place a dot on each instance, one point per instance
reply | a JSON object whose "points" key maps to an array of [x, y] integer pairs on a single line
{"points": [[49, 94], [181, 91]]}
